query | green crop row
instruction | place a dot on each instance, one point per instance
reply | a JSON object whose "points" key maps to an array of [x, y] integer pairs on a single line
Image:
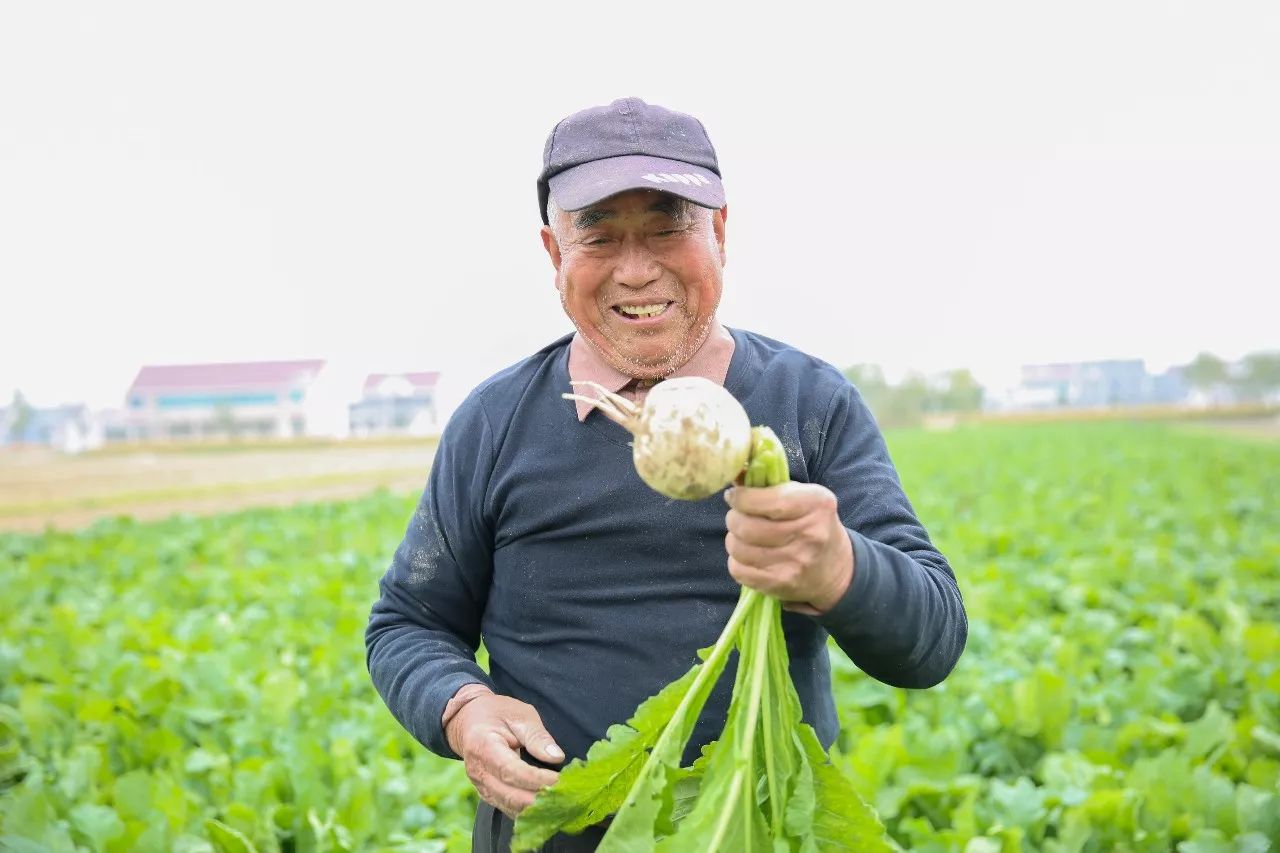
{"points": [[199, 684]]}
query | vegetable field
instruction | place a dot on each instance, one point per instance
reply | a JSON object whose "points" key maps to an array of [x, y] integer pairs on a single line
{"points": [[199, 684]]}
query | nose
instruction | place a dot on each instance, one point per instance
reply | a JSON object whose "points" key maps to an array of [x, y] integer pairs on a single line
{"points": [[637, 266]]}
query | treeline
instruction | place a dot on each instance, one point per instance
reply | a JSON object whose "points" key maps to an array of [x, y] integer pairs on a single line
{"points": [[908, 402], [1255, 377]]}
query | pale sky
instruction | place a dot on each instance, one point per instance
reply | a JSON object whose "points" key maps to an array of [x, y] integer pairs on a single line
{"points": [[924, 185]]}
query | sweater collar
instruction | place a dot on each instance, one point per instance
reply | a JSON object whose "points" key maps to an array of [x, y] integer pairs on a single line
{"points": [[711, 361]]}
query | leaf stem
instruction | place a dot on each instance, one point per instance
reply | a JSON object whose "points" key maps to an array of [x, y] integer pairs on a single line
{"points": [[748, 605], [745, 745], [772, 703]]}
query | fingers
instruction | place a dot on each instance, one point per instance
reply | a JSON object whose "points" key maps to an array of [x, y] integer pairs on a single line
{"points": [[504, 762], [782, 502], [755, 556], [493, 729], [777, 581], [758, 530], [502, 778], [801, 607], [537, 740]]}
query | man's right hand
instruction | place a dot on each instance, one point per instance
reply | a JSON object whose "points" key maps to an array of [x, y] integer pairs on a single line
{"points": [[488, 733]]}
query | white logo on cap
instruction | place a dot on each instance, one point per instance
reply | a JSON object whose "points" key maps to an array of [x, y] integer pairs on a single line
{"points": [[669, 178]]}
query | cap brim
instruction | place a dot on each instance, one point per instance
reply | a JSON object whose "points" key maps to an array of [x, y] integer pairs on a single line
{"points": [[585, 185]]}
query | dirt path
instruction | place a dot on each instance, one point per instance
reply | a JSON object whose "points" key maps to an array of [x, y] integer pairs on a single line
{"points": [[39, 490], [1261, 429]]}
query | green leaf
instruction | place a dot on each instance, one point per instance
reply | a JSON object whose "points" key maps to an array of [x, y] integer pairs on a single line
{"points": [[200, 761], [1254, 842], [132, 795], [1213, 730], [1258, 811], [803, 796], [720, 818], [1019, 804], [780, 757], [1043, 706], [1206, 841], [725, 815], [55, 841], [842, 820], [1266, 739], [99, 824], [228, 840], [591, 790], [684, 789]]}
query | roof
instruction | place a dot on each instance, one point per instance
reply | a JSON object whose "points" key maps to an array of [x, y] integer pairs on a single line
{"points": [[240, 374], [425, 379]]}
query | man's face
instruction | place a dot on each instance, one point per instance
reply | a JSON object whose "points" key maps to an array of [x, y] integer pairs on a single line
{"points": [[640, 276]]}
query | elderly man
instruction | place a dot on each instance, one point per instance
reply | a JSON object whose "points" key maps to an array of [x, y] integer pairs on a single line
{"points": [[589, 590]]}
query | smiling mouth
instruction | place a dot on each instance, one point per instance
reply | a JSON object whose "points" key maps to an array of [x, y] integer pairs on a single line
{"points": [[642, 312]]}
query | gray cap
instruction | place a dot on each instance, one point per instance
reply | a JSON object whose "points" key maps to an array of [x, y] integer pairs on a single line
{"points": [[628, 145]]}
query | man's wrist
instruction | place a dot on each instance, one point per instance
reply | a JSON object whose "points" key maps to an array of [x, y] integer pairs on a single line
{"points": [[843, 577], [459, 700]]}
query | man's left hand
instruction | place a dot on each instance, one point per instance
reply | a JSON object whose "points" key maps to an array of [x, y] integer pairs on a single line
{"points": [[788, 542]]}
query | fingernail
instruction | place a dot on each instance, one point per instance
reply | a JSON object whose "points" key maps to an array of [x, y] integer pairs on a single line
{"points": [[555, 751], [728, 494]]}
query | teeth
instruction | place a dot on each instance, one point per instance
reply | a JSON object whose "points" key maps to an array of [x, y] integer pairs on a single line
{"points": [[642, 310]]}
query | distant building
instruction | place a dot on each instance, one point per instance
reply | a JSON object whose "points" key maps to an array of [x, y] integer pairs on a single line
{"points": [[1170, 387], [396, 404], [1089, 383], [71, 428], [1096, 384], [236, 399]]}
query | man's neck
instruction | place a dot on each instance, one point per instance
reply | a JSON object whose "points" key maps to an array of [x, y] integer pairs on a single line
{"points": [[710, 361]]}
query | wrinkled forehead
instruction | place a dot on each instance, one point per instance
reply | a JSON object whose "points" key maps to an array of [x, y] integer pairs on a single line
{"points": [[631, 204]]}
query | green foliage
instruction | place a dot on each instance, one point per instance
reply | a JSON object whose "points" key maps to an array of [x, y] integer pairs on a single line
{"points": [[1121, 686], [591, 790], [1120, 690], [1261, 373], [19, 416], [200, 684], [764, 784], [1255, 377], [906, 403], [1205, 371]]}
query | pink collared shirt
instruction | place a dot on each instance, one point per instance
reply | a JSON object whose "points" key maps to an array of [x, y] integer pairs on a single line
{"points": [[711, 361]]}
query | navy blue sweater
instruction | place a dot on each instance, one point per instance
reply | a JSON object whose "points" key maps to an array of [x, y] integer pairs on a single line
{"points": [[591, 591]]}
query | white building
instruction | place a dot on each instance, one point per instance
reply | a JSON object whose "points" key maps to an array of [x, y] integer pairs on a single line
{"points": [[70, 428], [396, 404], [264, 399]]}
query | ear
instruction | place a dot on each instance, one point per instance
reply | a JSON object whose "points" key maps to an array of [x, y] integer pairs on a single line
{"points": [[717, 222], [553, 248]]}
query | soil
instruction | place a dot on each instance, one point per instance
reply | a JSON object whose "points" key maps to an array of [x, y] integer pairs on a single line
{"points": [[41, 489]]}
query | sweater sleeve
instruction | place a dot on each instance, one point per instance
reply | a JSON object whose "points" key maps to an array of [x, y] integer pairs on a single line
{"points": [[902, 620], [424, 629]]}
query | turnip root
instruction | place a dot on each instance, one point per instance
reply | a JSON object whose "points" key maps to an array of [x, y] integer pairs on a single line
{"points": [[692, 437]]}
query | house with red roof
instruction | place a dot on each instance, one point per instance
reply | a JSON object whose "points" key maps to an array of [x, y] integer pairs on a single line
{"points": [[265, 399], [396, 404]]}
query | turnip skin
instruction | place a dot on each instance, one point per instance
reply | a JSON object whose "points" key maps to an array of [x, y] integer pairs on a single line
{"points": [[692, 437]]}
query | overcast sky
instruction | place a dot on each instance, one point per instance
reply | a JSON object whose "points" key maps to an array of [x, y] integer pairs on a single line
{"points": [[924, 185]]}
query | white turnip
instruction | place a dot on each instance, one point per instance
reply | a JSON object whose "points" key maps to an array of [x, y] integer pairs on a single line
{"points": [[692, 437]]}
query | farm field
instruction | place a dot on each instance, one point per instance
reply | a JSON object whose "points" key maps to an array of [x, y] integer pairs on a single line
{"points": [[40, 489], [198, 683]]}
